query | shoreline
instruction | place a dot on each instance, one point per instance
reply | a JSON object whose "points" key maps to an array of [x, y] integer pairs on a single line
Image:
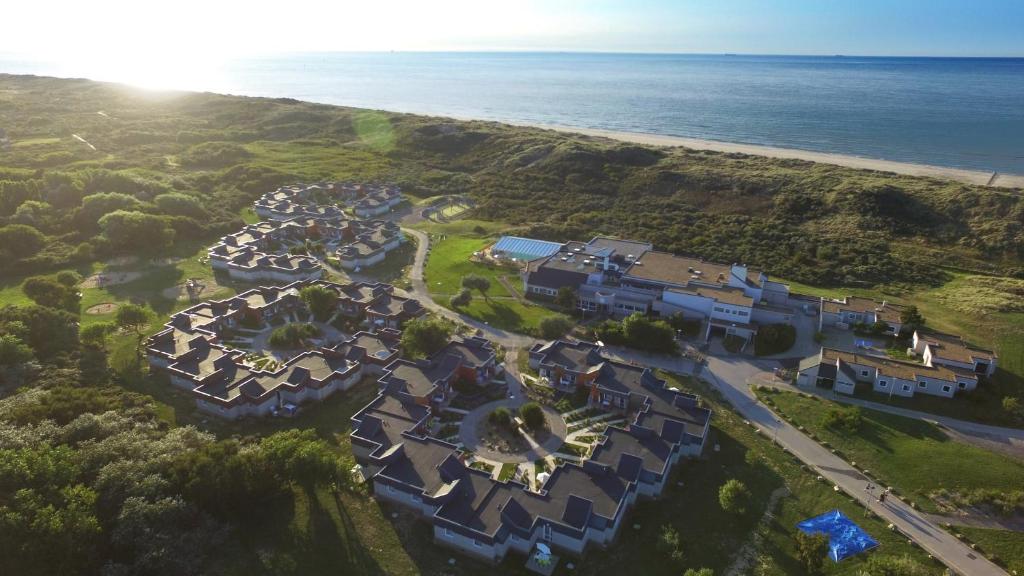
{"points": [[967, 176]]}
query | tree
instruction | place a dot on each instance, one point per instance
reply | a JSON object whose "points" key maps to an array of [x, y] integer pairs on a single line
{"points": [[894, 566], [133, 318], [69, 278], [96, 335], [500, 417], [477, 282], [463, 298], [847, 419], [18, 241], [291, 336], [48, 331], [811, 551], [532, 415], [424, 336], [322, 301], [552, 327], [137, 232], [911, 318], [670, 544], [178, 204], [301, 455], [96, 206], [699, 572], [13, 351], [48, 291], [643, 333], [734, 497], [566, 297]]}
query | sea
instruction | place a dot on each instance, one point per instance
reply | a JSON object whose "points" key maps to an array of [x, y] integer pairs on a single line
{"points": [[955, 112]]}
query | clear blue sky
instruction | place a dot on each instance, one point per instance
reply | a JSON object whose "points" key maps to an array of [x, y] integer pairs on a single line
{"points": [[207, 29]]}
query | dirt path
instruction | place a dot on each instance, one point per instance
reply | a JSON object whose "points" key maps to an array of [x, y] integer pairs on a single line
{"points": [[109, 279], [748, 553]]}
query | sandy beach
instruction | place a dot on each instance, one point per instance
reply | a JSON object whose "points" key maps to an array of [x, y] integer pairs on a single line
{"points": [[960, 175]]}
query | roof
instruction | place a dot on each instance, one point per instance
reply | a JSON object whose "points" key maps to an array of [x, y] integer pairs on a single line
{"points": [[953, 348], [621, 247], [723, 294], [665, 268], [884, 311], [889, 367], [525, 248]]}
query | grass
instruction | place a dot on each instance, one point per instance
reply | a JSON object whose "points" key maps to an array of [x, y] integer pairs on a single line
{"points": [[885, 444], [712, 538], [395, 266], [507, 471], [449, 262], [1006, 545]]}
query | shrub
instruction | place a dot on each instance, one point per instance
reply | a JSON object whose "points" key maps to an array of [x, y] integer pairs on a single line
{"points": [[500, 417], [811, 550], [847, 419], [424, 336], [463, 298], [532, 415], [553, 327], [320, 300], [670, 544], [476, 282], [734, 497]]}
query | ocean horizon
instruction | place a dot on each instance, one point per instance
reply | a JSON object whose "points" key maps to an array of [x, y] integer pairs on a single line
{"points": [[958, 112]]}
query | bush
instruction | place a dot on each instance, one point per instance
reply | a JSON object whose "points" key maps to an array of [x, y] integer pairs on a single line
{"points": [[553, 327], [774, 339], [532, 415], [847, 419], [291, 336], [463, 298], [811, 550], [734, 497], [476, 282], [320, 300], [670, 544], [500, 417], [640, 332]]}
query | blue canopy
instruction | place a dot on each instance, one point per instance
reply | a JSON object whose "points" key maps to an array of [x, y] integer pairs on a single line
{"points": [[845, 538]]}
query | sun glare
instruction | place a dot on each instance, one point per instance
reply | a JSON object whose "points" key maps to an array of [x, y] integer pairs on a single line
{"points": [[152, 69]]}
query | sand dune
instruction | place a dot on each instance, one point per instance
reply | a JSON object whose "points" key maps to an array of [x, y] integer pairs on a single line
{"points": [[957, 174]]}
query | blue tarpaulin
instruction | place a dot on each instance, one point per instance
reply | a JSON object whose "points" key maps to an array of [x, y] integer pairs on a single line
{"points": [[845, 538]]}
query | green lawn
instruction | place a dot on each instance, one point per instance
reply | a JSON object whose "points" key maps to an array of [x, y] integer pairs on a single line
{"points": [[885, 444], [1007, 545], [449, 262]]}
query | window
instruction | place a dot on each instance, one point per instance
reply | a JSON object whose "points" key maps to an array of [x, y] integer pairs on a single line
{"points": [[477, 544], [416, 498], [391, 489], [963, 385], [922, 384], [719, 309], [883, 384], [864, 373], [742, 313], [906, 387], [448, 533], [947, 388]]}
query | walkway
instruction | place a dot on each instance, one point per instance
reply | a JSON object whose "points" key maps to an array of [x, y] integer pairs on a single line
{"points": [[731, 376], [468, 430]]}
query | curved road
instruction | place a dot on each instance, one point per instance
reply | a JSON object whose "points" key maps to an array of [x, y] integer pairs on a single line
{"points": [[731, 375]]}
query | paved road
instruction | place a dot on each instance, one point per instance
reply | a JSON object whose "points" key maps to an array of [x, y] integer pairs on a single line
{"points": [[731, 375]]}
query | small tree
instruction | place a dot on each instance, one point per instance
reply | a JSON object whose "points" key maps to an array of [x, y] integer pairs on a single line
{"points": [[669, 543], [532, 415], [500, 417], [566, 297], [911, 318], [133, 318], [811, 550], [699, 572], [553, 327], [424, 336], [13, 351], [320, 300], [96, 335], [734, 497], [477, 282], [463, 298]]}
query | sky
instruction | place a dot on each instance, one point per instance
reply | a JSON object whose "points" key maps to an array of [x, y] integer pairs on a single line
{"points": [[204, 29]]}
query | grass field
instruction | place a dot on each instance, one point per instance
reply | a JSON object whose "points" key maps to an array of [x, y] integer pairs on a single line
{"points": [[986, 313], [451, 248], [885, 444], [1008, 546]]}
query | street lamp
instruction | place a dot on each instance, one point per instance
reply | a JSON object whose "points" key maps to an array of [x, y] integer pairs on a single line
{"points": [[778, 424]]}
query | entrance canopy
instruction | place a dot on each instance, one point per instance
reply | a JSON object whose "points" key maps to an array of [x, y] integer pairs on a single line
{"points": [[845, 538]]}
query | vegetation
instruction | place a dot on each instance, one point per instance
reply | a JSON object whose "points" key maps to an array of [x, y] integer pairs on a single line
{"points": [[640, 332], [734, 497], [463, 298], [566, 298], [321, 301], [670, 545], [812, 551], [476, 282], [291, 336], [774, 339], [532, 415], [554, 327], [911, 319], [500, 417], [424, 336], [884, 443]]}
